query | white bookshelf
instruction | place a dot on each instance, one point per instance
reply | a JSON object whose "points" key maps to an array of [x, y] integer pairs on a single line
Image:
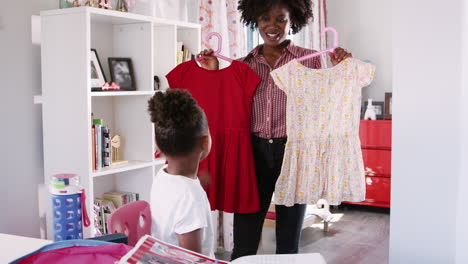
{"points": [[67, 38], [121, 93], [131, 165]]}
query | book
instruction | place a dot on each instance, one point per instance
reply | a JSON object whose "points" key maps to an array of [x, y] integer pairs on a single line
{"points": [[180, 57], [183, 54], [108, 208], [98, 130], [93, 147], [98, 144], [121, 198], [97, 218], [102, 209], [106, 146], [180, 52], [116, 197], [101, 223]]}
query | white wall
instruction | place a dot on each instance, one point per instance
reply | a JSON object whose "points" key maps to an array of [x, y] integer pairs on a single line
{"points": [[21, 156], [427, 121], [462, 212], [364, 29], [429, 217]]}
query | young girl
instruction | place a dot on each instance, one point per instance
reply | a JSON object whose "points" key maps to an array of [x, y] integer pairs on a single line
{"points": [[179, 205], [274, 19]]}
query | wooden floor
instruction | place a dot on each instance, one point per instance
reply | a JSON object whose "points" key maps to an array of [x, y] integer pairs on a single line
{"points": [[358, 234]]}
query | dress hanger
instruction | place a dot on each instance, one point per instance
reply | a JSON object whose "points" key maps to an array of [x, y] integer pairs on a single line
{"points": [[335, 45], [216, 52]]}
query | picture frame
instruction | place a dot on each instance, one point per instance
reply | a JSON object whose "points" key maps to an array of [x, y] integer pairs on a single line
{"points": [[379, 109], [98, 78], [157, 83], [121, 71], [388, 106]]}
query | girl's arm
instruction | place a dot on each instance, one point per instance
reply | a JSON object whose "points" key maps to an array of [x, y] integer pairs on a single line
{"points": [[191, 240]]}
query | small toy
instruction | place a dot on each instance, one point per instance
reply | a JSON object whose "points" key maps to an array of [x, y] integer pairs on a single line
{"points": [[112, 86], [370, 111], [115, 144], [106, 4], [76, 3], [122, 6]]}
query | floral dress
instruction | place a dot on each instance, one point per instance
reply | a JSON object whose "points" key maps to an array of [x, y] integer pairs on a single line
{"points": [[323, 156]]}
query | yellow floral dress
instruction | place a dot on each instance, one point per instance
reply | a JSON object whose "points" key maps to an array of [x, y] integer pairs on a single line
{"points": [[323, 156]]}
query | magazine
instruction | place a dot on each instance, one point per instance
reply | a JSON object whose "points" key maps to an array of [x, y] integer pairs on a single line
{"points": [[150, 250]]}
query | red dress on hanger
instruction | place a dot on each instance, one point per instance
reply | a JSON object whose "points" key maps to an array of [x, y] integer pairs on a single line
{"points": [[226, 97]]}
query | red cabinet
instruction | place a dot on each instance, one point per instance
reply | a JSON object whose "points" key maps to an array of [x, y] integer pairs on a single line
{"points": [[376, 134], [376, 145]]}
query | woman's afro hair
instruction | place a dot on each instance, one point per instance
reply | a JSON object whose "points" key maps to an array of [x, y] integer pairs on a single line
{"points": [[300, 11]]}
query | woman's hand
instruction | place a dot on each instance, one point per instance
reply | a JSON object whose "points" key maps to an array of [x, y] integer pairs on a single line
{"points": [[338, 55], [208, 61]]}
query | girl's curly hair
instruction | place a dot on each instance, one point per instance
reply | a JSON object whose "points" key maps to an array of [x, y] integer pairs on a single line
{"points": [[300, 11], [178, 121]]}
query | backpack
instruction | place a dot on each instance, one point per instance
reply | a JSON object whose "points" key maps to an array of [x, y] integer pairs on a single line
{"points": [[76, 251]]}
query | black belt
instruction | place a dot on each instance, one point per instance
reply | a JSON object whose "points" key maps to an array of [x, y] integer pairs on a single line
{"points": [[281, 140]]}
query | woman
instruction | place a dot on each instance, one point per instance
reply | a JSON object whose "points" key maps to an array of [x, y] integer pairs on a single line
{"points": [[274, 20]]}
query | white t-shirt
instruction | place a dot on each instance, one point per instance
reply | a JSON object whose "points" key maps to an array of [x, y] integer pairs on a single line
{"points": [[179, 205]]}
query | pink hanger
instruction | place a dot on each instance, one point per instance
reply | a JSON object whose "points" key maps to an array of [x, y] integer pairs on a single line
{"points": [[335, 45], [216, 52]]}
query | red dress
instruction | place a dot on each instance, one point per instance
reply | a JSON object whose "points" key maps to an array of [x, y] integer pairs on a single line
{"points": [[226, 97]]}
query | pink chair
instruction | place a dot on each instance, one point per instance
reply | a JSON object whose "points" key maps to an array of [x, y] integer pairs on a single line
{"points": [[132, 220]]}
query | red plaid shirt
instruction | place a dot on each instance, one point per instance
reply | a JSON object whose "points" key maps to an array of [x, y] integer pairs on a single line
{"points": [[269, 102]]}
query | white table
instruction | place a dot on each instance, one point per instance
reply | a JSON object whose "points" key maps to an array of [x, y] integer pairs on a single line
{"points": [[310, 258], [13, 247]]}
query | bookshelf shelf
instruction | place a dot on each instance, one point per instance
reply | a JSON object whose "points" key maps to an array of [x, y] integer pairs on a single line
{"points": [[67, 37], [100, 15], [131, 165], [123, 93]]}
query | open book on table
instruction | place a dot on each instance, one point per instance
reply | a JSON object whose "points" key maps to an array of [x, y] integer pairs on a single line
{"points": [[150, 250]]}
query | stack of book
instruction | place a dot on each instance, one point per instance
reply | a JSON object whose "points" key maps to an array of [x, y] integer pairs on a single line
{"points": [[102, 154], [183, 54], [105, 206], [102, 209], [121, 198]]}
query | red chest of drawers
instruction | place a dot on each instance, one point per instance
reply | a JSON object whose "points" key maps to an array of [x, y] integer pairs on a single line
{"points": [[376, 145]]}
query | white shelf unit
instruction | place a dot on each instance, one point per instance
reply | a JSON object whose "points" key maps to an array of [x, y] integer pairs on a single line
{"points": [[67, 38]]}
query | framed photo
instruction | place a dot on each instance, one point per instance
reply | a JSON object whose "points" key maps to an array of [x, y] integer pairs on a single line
{"points": [[388, 106], [121, 71], [378, 106], [97, 74], [157, 83]]}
